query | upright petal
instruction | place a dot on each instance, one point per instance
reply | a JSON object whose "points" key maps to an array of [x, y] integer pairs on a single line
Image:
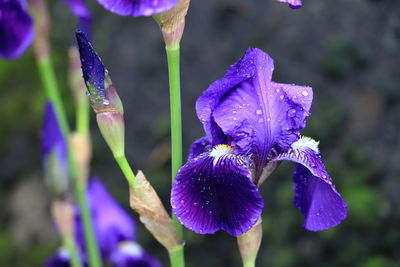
{"points": [[130, 254], [112, 223], [16, 29], [256, 114], [137, 8], [214, 192], [315, 195], [294, 4]]}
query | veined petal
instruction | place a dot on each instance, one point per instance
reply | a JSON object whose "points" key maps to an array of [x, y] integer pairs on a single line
{"points": [[315, 195], [130, 254], [198, 147], [294, 4], [137, 8], [16, 29], [259, 115], [214, 192]]}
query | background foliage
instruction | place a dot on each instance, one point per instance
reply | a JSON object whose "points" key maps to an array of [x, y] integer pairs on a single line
{"points": [[346, 50]]}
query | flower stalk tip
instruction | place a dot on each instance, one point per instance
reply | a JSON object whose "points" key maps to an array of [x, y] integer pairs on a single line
{"points": [[249, 243], [172, 23]]}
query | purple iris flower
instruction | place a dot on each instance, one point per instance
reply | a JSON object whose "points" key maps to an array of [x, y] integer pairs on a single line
{"points": [[251, 123], [137, 8], [114, 229], [16, 28], [295, 4], [54, 153]]}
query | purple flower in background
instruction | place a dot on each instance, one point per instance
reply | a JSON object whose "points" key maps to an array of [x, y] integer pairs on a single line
{"points": [[16, 28], [114, 229], [54, 153], [251, 123], [295, 4], [137, 8], [80, 10]]}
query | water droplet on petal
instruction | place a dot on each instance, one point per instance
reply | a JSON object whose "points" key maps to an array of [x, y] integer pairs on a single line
{"points": [[106, 102], [260, 120], [291, 112], [304, 93], [234, 112], [87, 93], [281, 97], [259, 111]]}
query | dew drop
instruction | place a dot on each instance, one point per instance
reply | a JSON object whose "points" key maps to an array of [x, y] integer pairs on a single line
{"points": [[278, 90], [291, 113], [106, 102], [234, 112], [210, 212], [294, 98], [182, 201], [260, 120], [304, 93], [268, 119], [281, 97], [259, 111], [87, 93], [234, 118]]}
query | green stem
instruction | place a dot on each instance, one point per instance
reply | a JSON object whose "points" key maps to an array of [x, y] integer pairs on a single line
{"points": [[126, 169], [83, 118], [70, 244], [51, 89], [176, 257], [249, 264], [176, 133]]}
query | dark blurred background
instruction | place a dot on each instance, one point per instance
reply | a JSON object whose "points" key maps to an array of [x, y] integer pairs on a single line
{"points": [[348, 51]]}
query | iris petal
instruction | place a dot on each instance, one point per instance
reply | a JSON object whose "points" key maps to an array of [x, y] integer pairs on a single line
{"points": [[112, 223], [214, 193], [199, 146], [130, 254], [256, 114], [315, 195], [294, 4], [16, 29], [137, 7]]}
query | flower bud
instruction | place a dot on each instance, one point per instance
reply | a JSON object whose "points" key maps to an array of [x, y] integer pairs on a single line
{"points": [[55, 154], [172, 23], [249, 243], [63, 216], [145, 201], [103, 97]]}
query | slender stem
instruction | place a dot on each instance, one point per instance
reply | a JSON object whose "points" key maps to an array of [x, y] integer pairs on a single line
{"points": [[249, 264], [126, 169], [51, 89], [70, 244], [177, 257], [82, 119]]}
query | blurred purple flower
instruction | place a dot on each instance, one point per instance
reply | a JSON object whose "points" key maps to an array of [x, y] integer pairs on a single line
{"points": [[54, 153], [16, 28], [252, 123], [114, 230], [137, 8], [78, 7], [295, 4]]}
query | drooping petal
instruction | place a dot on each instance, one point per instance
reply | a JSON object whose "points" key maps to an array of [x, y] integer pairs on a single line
{"points": [[16, 28], [199, 146], [294, 4], [214, 192], [256, 114], [315, 195], [112, 223], [137, 8], [130, 254]]}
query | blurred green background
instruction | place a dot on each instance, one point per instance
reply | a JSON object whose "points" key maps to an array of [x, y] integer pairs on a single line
{"points": [[348, 51]]}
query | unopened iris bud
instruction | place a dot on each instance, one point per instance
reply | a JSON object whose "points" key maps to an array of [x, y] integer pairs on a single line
{"points": [[145, 201], [103, 97], [172, 23], [54, 151]]}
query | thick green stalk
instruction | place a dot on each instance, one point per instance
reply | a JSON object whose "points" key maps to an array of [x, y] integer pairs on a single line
{"points": [[127, 170], [82, 119], [51, 89], [70, 244], [176, 134], [176, 257], [249, 264]]}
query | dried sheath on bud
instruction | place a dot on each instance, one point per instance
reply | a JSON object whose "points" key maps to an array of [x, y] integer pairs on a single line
{"points": [[145, 201], [103, 97]]}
